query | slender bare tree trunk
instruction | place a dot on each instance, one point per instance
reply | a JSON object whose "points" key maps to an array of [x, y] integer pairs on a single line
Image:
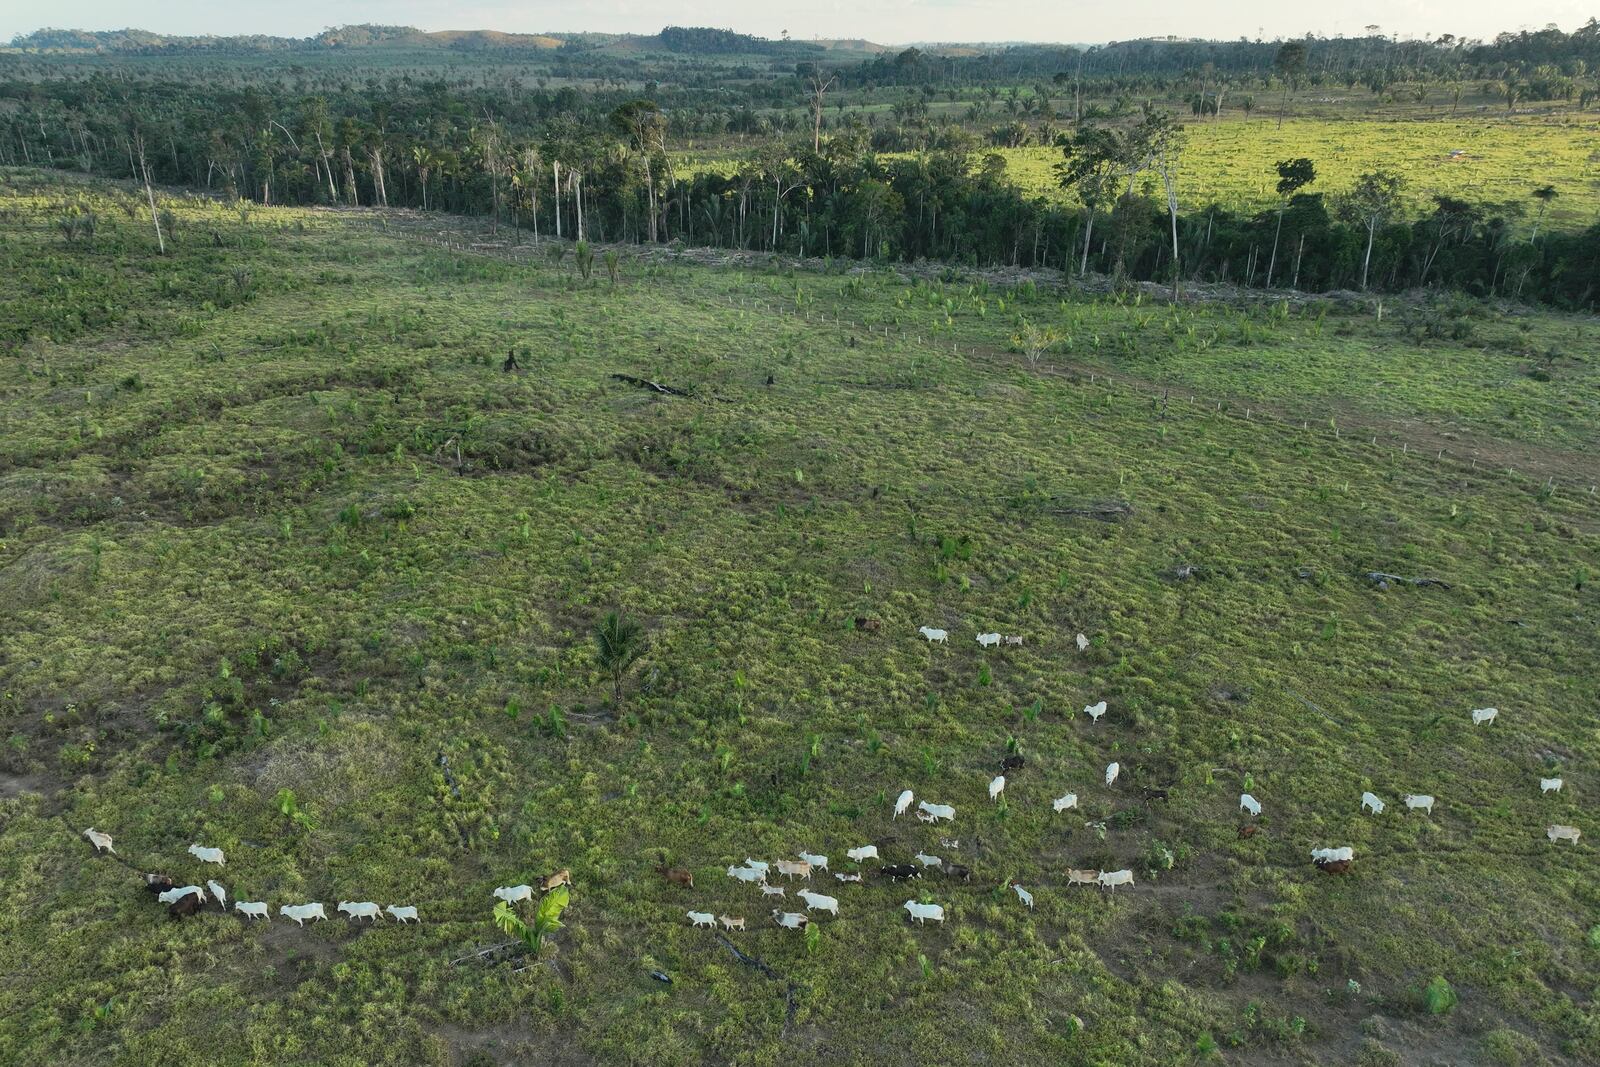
{"points": [[155, 219]]}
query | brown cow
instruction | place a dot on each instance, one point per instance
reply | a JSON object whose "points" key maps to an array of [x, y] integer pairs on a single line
{"points": [[158, 883], [1333, 866], [550, 881], [188, 904], [1249, 829], [677, 875]]}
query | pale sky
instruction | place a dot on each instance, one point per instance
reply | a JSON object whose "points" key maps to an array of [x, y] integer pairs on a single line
{"points": [[885, 21]]}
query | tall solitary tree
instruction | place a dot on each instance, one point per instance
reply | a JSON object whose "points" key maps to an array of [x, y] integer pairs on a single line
{"points": [[620, 641], [1092, 162], [1373, 201], [1291, 66], [1293, 175]]}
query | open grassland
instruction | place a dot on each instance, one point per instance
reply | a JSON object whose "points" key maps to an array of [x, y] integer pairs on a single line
{"points": [[273, 518], [1231, 163]]}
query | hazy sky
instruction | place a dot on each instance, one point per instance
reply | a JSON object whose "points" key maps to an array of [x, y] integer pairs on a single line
{"points": [[887, 21]]}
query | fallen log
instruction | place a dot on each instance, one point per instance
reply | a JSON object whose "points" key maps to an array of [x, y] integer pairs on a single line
{"points": [[1379, 578], [1104, 510], [654, 387]]}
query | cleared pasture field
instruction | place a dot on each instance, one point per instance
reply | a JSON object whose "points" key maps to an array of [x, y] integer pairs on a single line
{"points": [[296, 529]]}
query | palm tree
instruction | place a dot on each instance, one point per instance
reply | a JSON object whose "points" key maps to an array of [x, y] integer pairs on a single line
{"points": [[620, 642], [425, 162]]}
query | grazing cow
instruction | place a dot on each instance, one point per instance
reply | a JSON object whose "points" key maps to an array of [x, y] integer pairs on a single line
{"points": [[1149, 794], [1111, 879], [1483, 715], [1012, 763], [1079, 876], [1333, 854], [1333, 866], [790, 920], [865, 852], [747, 874], [1062, 803], [172, 896], [1094, 711], [868, 625], [551, 881], [927, 860], [956, 870], [359, 909], [702, 918], [1249, 829], [207, 855], [1415, 802], [794, 868], [818, 863], [757, 865], [219, 894], [677, 875], [989, 640], [897, 872], [1112, 770], [253, 909], [848, 877], [772, 891], [100, 841], [1563, 833], [923, 912], [934, 636], [1022, 894], [183, 906], [407, 914], [301, 912], [923, 816], [1013, 641], [902, 802], [997, 785], [1249, 803], [730, 923], [938, 811], [158, 883], [950, 842], [1370, 802], [513, 893], [1083, 643], [1550, 785], [819, 902]]}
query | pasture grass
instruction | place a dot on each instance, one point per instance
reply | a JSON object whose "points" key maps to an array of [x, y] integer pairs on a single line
{"points": [[303, 533]]}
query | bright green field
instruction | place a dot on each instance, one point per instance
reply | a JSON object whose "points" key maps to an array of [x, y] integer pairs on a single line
{"points": [[1231, 163], [297, 530]]}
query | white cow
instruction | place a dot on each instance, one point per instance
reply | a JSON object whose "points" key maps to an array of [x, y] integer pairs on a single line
{"points": [[772, 891], [902, 802], [1022, 894], [1563, 833], [1249, 803], [819, 902], [924, 912], [1083, 643], [790, 920], [989, 640], [757, 865], [937, 811], [702, 918], [1333, 855], [301, 912], [865, 852], [513, 893], [1112, 770], [934, 636], [1415, 801], [748, 874], [100, 841], [406, 914], [1483, 715], [219, 894], [1111, 879], [207, 855], [359, 909], [793, 868], [1370, 802], [1013, 640], [1550, 785], [819, 863], [253, 909], [848, 877], [927, 860], [172, 896], [1062, 803], [997, 785], [1094, 711]]}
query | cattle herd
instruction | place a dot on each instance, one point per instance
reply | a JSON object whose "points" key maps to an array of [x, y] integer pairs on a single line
{"points": [[188, 900]]}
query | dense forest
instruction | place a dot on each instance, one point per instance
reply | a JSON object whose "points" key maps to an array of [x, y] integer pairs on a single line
{"points": [[591, 161]]}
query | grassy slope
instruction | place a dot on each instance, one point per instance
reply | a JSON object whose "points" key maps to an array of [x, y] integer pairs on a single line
{"points": [[207, 512]]}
